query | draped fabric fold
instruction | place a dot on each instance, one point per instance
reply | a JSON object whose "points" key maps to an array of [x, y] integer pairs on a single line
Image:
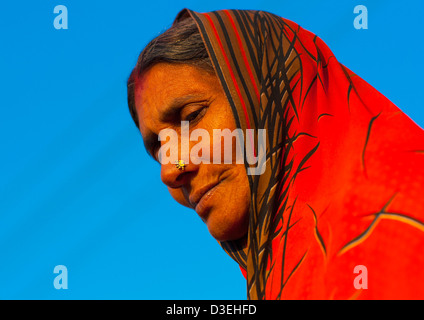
{"points": [[344, 179]]}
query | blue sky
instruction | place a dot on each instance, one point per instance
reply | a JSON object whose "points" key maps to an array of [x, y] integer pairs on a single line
{"points": [[76, 186]]}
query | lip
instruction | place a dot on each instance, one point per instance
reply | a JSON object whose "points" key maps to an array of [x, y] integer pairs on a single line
{"points": [[200, 198]]}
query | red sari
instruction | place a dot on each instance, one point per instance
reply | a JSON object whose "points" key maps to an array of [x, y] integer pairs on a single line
{"points": [[339, 211]]}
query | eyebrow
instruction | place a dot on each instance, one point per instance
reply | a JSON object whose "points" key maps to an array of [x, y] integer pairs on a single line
{"points": [[171, 112]]}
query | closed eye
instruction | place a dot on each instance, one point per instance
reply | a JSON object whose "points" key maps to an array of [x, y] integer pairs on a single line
{"points": [[195, 116], [192, 116]]}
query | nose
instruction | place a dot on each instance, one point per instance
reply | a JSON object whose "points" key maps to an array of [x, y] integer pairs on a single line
{"points": [[176, 175]]}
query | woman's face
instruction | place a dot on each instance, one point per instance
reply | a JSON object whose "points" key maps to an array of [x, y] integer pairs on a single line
{"points": [[167, 94]]}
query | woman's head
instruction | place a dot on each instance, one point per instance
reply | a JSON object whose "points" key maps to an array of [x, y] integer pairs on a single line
{"points": [[174, 81]]}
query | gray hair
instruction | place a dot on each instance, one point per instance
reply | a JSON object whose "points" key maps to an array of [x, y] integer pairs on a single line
{"points": [[181, 43]]}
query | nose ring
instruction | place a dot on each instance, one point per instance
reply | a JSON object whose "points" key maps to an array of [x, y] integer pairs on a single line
{"points": [[180, 165]]}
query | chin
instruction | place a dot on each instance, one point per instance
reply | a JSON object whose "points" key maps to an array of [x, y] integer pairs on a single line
{"points": [[226, 230]]}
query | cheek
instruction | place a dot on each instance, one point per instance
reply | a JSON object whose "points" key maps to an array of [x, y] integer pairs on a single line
{"points": [[226, 119], [229, 218], [220, 118], [178, 196]]}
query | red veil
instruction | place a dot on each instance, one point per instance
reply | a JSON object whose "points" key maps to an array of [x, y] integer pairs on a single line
{"points": [[339, 211]]}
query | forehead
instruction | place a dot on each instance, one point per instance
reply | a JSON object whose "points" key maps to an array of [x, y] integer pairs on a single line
{"points": [[162, 84]]}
